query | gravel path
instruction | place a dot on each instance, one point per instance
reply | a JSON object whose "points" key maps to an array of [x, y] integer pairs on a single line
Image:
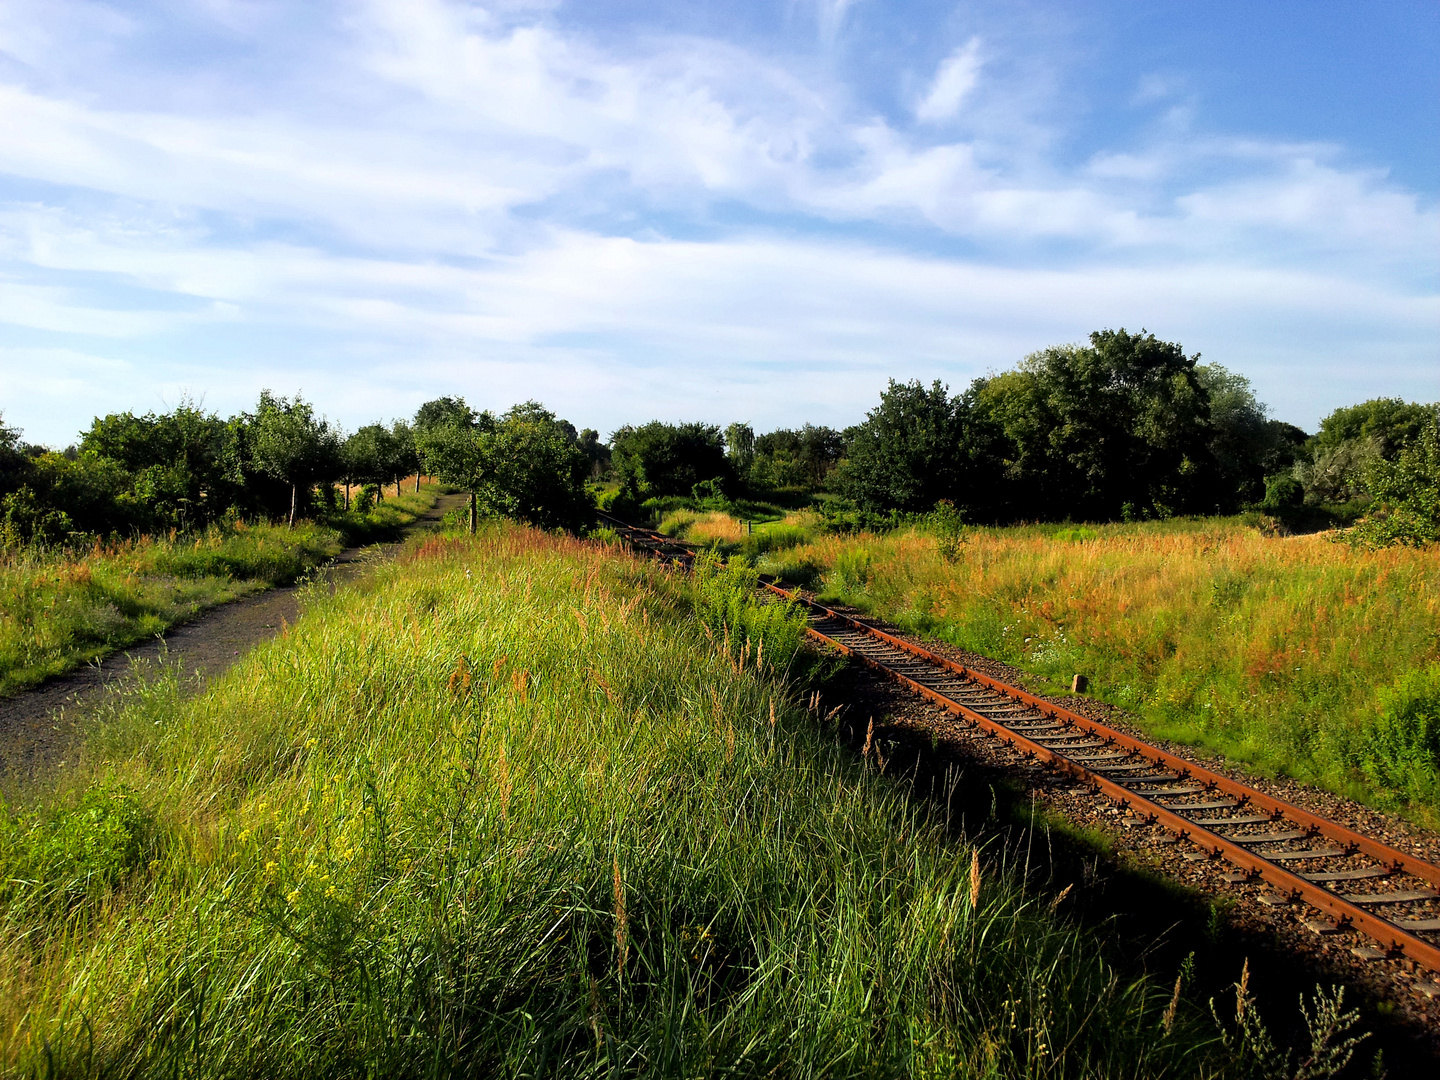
{"points": [[36, 725]]}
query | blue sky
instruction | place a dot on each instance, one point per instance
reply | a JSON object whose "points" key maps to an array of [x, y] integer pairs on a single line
{"points": [[724, 211]]}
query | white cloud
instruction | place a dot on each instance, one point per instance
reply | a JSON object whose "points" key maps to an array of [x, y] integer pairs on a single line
{"points": [[449, 196], [958, 74]]}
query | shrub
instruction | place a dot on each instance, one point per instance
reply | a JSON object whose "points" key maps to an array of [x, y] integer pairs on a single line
{"points": [[74, 855], [726, 601], [1283, 490], [947, 522], [1407, 492], [1401, 749]]}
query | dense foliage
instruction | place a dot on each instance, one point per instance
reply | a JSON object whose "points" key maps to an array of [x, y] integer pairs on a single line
{"points": [[1127, 426], [1407, 495], [906, 456], [1123, 427], [657, 458], [187, 469], [527, 465]]}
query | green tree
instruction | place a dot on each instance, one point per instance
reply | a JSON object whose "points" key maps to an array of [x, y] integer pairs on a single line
{"points": [[1393, 422], [431, 419], [1083, 431], [444, 412], [1246, 445], [14, 462], [406, 456], [1407, 495], [367, 456], [291, 445], [180, 461], [526, 465], [907, 453], [596, 452], [96, 494], [740, 449], [797, 458], [1342, 456], [657, 458]]}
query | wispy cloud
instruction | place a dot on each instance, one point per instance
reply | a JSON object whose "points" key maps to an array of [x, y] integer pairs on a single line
{"points": [[437, 196], [958, 74]]}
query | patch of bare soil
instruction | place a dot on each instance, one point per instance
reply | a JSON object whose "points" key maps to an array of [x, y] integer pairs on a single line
{"points": [[37, 725]]}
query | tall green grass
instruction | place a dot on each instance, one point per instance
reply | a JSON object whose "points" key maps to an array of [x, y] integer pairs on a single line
{"points": [[61, 608], [506, 808]]}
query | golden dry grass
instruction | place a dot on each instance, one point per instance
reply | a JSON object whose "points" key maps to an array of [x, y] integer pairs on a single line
{"points": [[1280, 652]]}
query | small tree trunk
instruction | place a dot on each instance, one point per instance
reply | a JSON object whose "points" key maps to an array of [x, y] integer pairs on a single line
{"points": [[294, 494], [347, 496], [474, 512], [397, 487], [417, 481]]}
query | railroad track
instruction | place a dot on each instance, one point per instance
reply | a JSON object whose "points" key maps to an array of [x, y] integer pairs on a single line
{"points": [[1353, 882]]}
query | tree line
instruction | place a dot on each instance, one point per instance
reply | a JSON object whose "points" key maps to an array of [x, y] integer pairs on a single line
{"points": [[1123, 426], [187, 468]]}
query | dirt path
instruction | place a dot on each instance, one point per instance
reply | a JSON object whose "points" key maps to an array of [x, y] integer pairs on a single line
{"points": [[36, 725]]}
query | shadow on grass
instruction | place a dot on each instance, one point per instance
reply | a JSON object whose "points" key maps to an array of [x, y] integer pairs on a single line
{"points": [[1146, 921]]}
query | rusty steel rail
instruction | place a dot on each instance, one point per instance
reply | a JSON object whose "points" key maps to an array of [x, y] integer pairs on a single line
{"points": [[663, 547], [1394, 939], [851, 636]]}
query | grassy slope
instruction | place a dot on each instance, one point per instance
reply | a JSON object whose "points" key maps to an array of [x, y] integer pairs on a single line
{"points": [[1297, 655], [504, 808], [59, 610]]}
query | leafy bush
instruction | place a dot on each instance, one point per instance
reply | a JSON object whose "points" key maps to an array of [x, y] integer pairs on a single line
{"points": [[947, 522], [1401, 749], [844, 518], [74, 855], [1283, 490], [1407, 495], [25, 520], [710, 495], [365, 499], [727, 603]]}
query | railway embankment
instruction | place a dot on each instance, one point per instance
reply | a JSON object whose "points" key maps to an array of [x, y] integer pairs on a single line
{"points": [[1343, 890], [508, 805]]}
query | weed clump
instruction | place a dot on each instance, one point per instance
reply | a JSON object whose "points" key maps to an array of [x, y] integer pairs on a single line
{"points": [[1401, 748], [73, 856], [725, 599]]}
